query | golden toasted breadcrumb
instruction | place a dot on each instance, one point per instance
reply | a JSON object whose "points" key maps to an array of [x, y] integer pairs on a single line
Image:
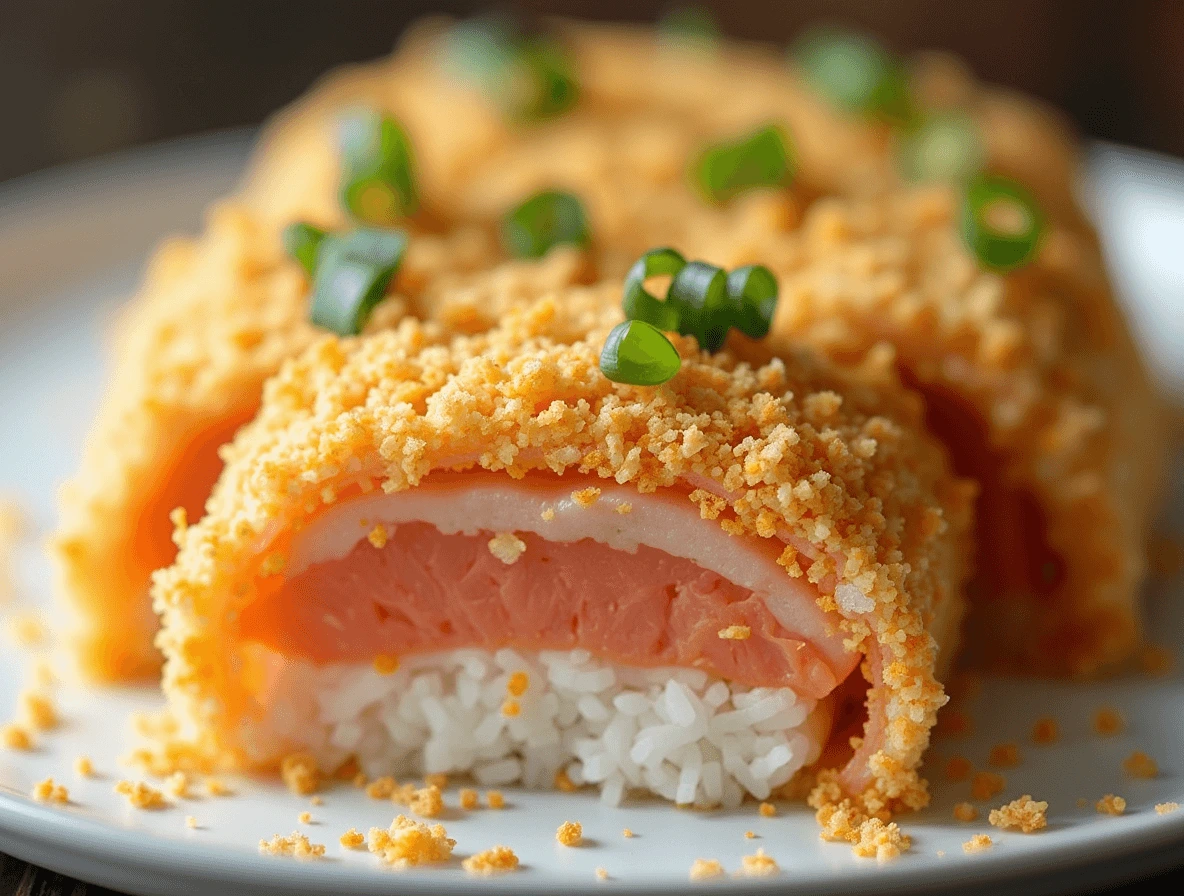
{"points": [[570, 833], [295, 844], [1046, 731], [1024, 814], [468, 798], [352, 839], [408, 842], [759, 865], [1108, 722], [427, 802], [507, 547], [977, 843], [706, 869], [1140, 765], [15, 737], [300, 773], [494, 799], [965, 812], [141, 796], [1165, 808], [49, 792], [1110, 805], [735, 633], [495, 860], [83, 767]]}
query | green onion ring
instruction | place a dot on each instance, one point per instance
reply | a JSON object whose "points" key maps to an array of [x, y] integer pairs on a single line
{"points": [[1001, 222], [944, 148], [699, 295], [352, 274], [639, 354], [303, 241], [760, 159], [545, 220], [752, 291], [378, 169], [637, 302]]}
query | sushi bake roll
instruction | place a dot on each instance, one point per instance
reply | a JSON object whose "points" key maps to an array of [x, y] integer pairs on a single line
{"points": [[489, 557], [215, 317]]}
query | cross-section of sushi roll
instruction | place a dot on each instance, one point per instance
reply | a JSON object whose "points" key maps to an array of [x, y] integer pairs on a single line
{"points": [[215, 318], [488, 557]]}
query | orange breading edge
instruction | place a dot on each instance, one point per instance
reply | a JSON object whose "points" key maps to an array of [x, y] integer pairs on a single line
{"points": [[214, 320], [1046, 362], [851, 476]]}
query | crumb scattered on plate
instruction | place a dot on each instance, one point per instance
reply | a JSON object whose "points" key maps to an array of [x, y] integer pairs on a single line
{"points": [[706, 869], [1110, 805], [495, 860], [16, 737], [408, 842], [1165, 808], [965, 812], [352, 839], [468, 798], [48, 791], [977, 843], [1025, 814], [300, 773], [83, 767], [1108, 722], [140, 795], [767, 810], [494, 799], [570, 833], [295, 844], [1140, 765], [759, 865]]}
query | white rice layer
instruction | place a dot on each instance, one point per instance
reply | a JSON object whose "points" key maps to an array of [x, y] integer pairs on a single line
{"points": [[678, 733]]}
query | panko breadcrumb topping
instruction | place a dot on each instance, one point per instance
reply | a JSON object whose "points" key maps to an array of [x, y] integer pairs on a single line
{"points": [[977, 843], [517, 684], [177, 784], [141, 796], [1024, 814], [548, 514], [965, 812], [1004, 755], [706, 869], [38, 710], [627, 833], [378, 536], [1110, 805], [624, 507], [735, 633], [381, 788], [883, 841], [767, 810], [1165, 808], [295, 844], [427, 802], [495, 860], [386, 664], [601, 873], [49, 792], [352, 839], [83, 767], [300, 773], [759, 865], [511, 708], [304, 817], [586, 497], [750, 835], [191, 822], [958, 768], [408, 842], [1046, 731], [570, 833], [16, 737], [986, 784], [494, 799], [507, 547], [1108, 722], [468, 798], [564, 783], [317, 801], [1140, 765]]}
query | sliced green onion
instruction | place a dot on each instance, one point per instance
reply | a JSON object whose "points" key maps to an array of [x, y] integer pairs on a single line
{"points": [[699, 295], [352, 273], [854, 72], [639, 354], [752, 292], [529, 75], [547, 219], [1001, 222], [944, 149], [378, 170], [637, 302], [302, 241], [689, 25], [760, 159]]}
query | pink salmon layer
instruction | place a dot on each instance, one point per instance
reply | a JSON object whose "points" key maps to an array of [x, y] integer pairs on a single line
{"points": [[653, 586]]}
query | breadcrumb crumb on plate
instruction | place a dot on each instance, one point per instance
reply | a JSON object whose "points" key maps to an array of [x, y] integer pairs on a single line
{"points": [[706, 869], [15, 737], [495, 860], [1140, 765], [141, 796], [408, 842], [977, 843], [1025, 814], [570, 833], [295, 844], [1110, 805], [48, 791], [1166, 808], [758, 865]]}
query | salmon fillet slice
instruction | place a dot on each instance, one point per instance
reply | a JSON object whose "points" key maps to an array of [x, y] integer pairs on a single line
{"points": [[392, 500]]}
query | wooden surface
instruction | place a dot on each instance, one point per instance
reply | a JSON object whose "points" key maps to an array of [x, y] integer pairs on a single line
{"points": [[20, 879]]}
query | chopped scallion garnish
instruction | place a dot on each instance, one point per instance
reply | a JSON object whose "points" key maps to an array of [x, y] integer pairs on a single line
{"points": [[699, 296], [529, 75], [760, 159], [352, 273], [752, 290], [854, 72], [944, 148], [637, 301], [1001, 222], [547, 219], [302, 241], [378, 171], [639, 354]]}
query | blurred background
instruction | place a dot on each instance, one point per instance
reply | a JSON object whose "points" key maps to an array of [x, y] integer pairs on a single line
{"points": [[90, 76]]}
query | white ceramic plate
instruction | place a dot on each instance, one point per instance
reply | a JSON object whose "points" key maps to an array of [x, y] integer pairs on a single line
{"points": [[71, 244]]}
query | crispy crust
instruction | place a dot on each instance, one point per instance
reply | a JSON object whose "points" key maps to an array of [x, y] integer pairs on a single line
{"points": [[851, 477], [216, 317]]}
